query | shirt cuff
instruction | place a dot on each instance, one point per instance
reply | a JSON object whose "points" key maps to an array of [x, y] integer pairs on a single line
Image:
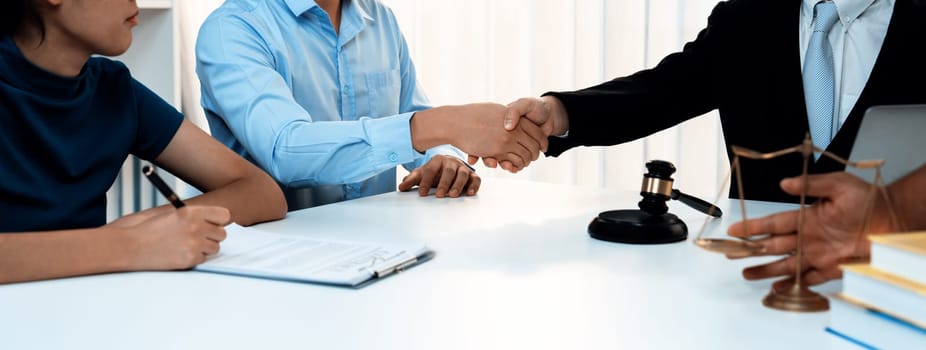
{"points": [[445, 150], [391, 140]]}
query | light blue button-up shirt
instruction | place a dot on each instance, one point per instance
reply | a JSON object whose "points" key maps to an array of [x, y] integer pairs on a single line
{"points": [[326, 114]]}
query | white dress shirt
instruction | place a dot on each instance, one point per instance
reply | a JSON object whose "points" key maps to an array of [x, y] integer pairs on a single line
{"points": [[856, 41]]}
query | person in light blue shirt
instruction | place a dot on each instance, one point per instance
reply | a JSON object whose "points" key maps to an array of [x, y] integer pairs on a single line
{"points": [[323, 96]]}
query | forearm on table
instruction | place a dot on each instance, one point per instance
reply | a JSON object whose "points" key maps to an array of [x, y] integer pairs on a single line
{"points": [[54, 254]]}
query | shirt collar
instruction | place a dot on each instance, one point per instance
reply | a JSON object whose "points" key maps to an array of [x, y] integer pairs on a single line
{"points": [[298, 7], [848, 10]]}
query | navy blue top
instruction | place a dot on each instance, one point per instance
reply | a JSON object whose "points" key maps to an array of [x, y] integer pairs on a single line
{"points": [[64, 140]]}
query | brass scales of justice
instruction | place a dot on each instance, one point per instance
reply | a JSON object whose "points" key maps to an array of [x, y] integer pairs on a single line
{"points": [[796, 297]]}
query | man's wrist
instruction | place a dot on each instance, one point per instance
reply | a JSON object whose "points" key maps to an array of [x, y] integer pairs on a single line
{"points": [[428, 129], [558, 115]]}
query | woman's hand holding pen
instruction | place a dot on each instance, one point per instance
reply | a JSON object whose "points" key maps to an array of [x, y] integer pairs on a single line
{"points": [[178, 239]]}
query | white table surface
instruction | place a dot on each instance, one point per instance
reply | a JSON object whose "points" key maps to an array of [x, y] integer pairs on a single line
{"points": [[515, 269]]}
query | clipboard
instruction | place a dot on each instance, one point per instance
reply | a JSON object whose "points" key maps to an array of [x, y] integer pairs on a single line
{"points": [[250, 252], [424, 257]]}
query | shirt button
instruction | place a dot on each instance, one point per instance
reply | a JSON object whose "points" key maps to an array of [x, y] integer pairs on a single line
{"points": [[393, 157]]}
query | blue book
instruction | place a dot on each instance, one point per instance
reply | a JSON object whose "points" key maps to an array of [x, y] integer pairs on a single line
{"points": [[869, 328]]}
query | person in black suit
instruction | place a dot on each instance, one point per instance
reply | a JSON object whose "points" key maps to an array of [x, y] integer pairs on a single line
{"points": [[747, 63]]}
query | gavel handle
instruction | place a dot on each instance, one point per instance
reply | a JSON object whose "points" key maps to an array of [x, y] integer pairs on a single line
{"points": [[698, 204]]}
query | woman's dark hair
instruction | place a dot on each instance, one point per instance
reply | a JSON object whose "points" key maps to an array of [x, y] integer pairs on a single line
{"points": [[14, 14]]}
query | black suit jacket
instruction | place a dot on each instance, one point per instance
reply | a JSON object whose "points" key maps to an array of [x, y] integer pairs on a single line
{"points": [[746, 63]]}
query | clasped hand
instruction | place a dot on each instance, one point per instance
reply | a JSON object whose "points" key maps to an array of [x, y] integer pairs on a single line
{"points": [[545, 117]]}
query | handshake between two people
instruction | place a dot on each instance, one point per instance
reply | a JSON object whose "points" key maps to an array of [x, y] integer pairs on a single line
{"points": [[491, 131]]}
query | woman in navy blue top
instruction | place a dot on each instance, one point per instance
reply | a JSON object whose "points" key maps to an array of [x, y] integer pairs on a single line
{"points": [[68, 122]]}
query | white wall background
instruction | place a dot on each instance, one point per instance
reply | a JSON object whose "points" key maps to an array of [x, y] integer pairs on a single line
{"points": [[499, 50]]}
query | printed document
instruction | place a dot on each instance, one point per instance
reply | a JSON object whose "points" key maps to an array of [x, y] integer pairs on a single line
{"points": [[252, 252]]}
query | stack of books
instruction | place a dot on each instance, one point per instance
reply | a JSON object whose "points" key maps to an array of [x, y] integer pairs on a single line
{"points": [[883, 302]]}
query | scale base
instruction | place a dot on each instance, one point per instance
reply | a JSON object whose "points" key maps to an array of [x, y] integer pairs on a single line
{"points": [[637, 227], [797, 298]]}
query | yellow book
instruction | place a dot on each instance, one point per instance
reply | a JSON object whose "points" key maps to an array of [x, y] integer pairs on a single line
{"points": [[900, 254], [884, 291]]}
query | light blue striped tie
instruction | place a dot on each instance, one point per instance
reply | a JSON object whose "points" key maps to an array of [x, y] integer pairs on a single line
{"points": [[819, 84]]}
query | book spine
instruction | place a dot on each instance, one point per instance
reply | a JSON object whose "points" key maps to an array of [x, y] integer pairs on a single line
{"points": [[849, 339]]}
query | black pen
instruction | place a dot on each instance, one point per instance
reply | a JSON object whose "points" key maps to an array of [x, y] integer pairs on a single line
{"points": [[162, 187], [471, 168]]}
